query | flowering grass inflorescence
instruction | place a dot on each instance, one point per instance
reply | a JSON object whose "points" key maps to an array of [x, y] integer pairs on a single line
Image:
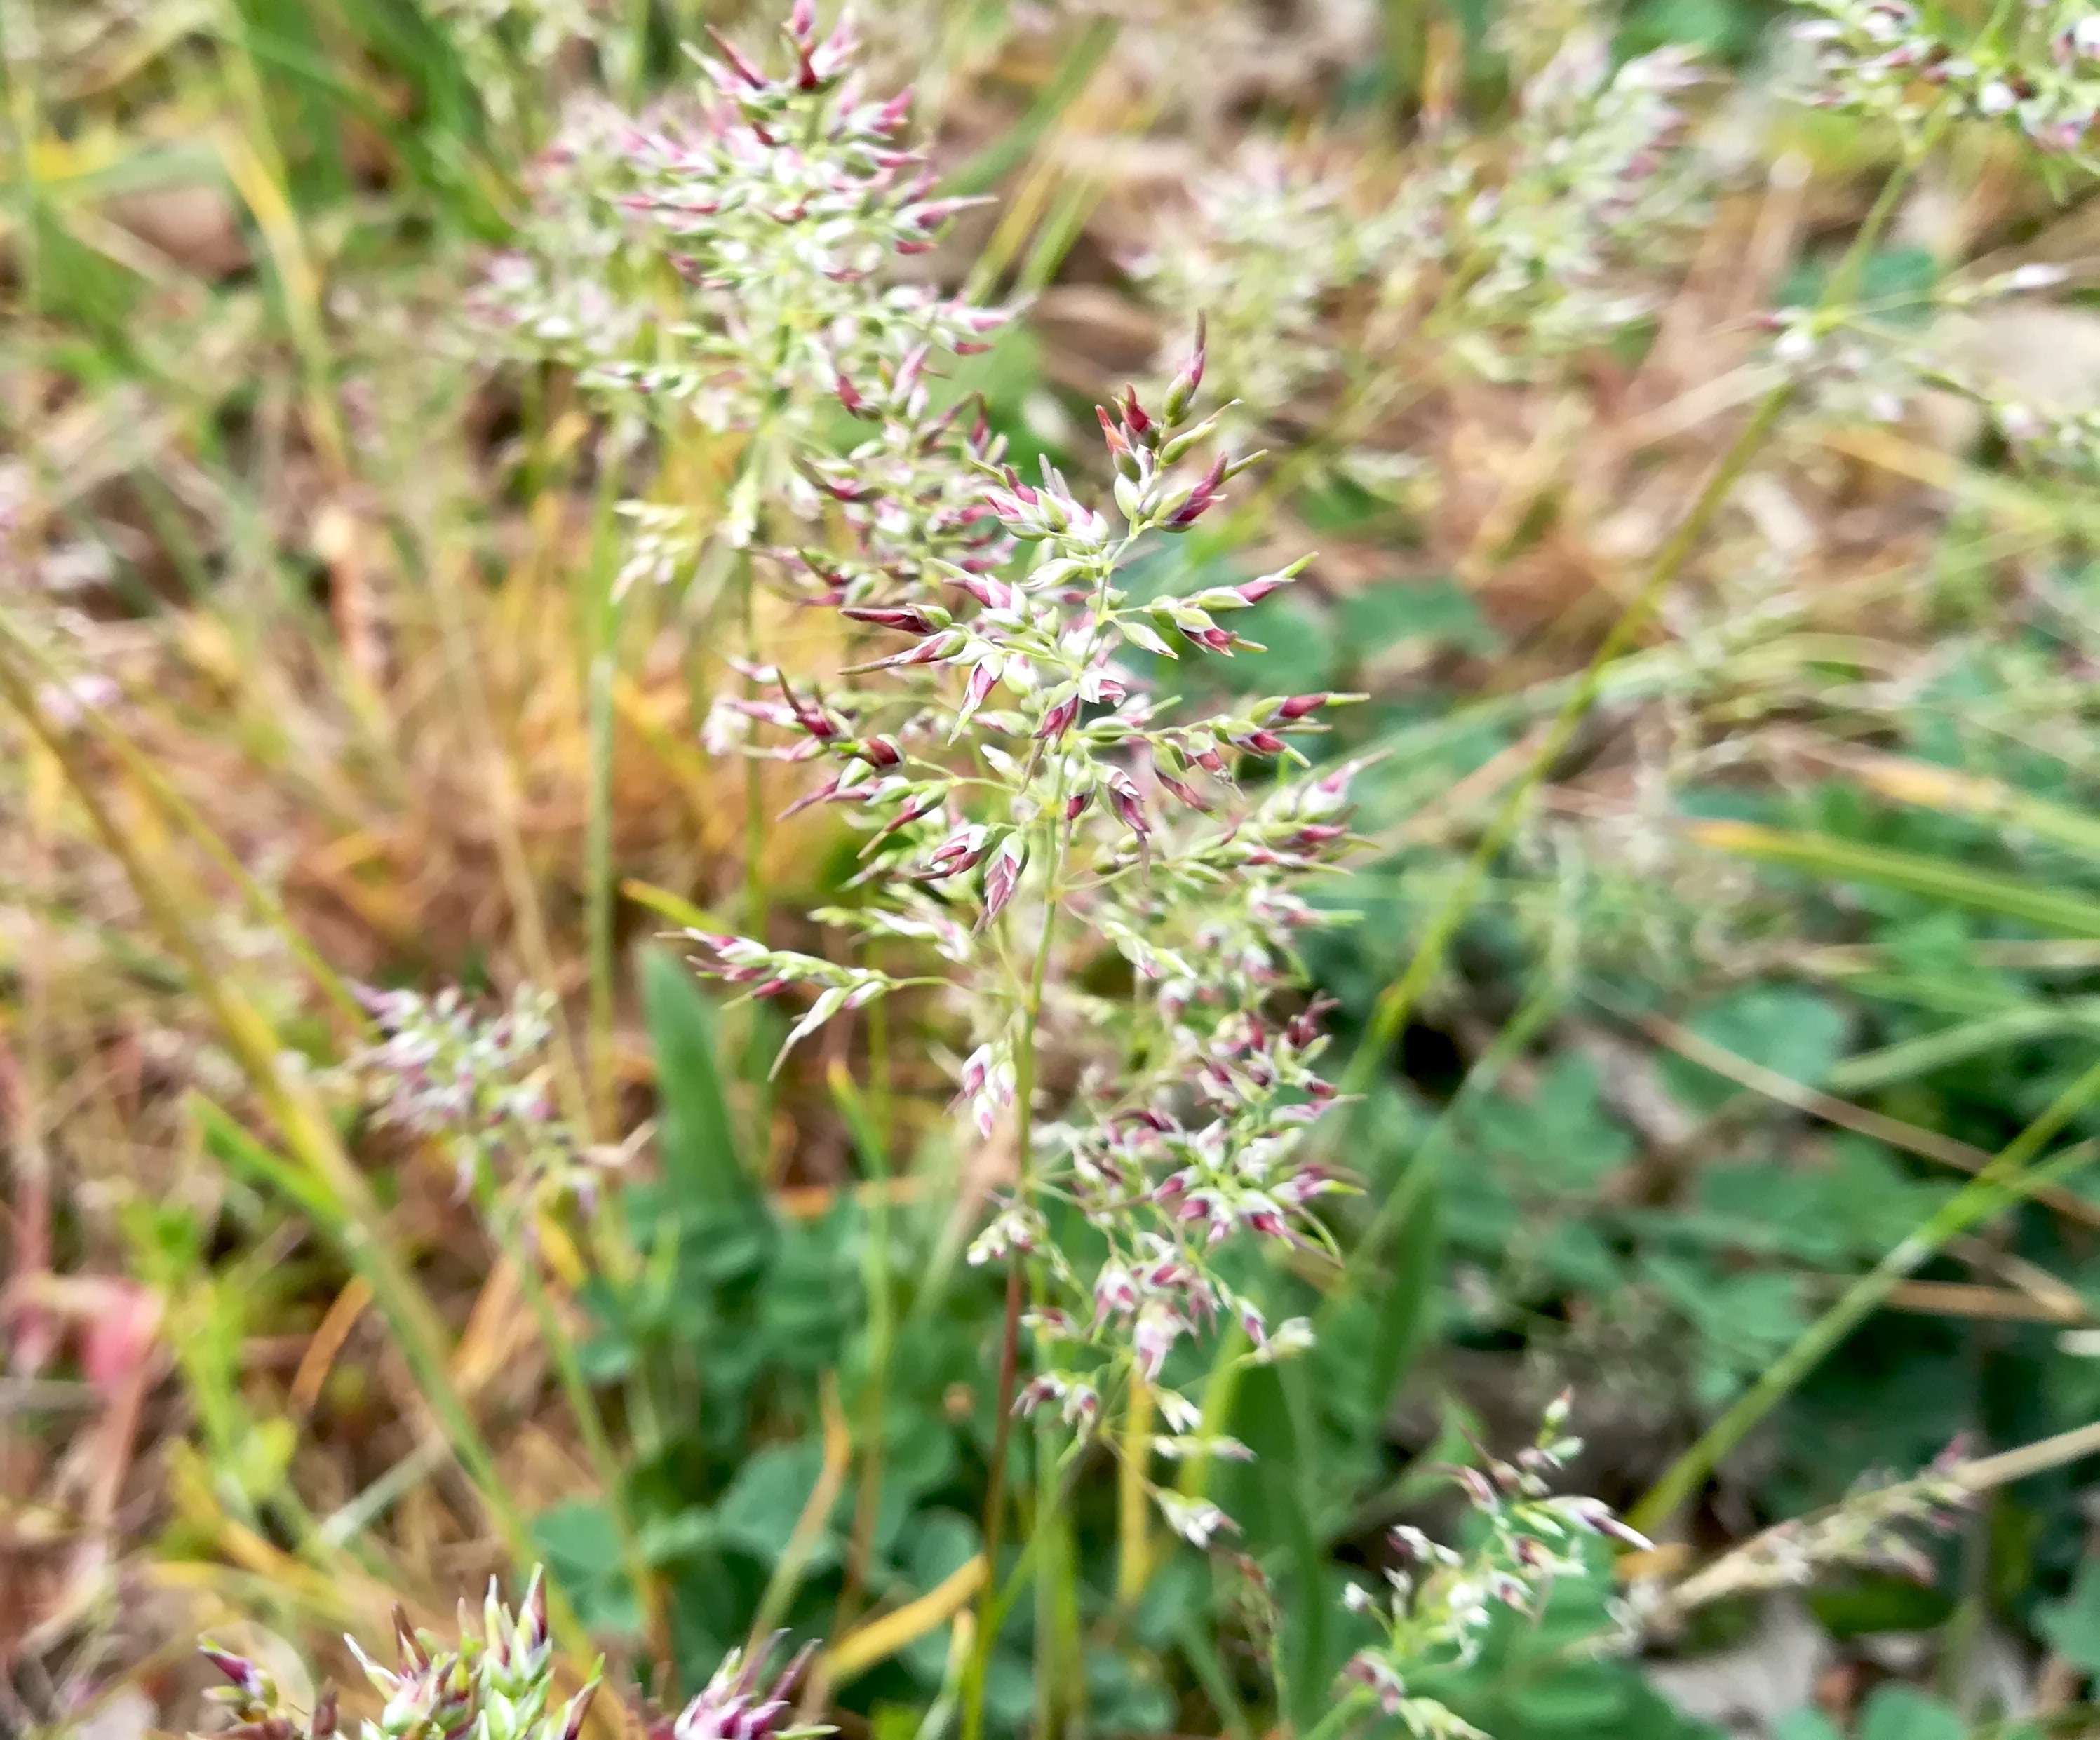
{"points": [[747, 247], [2035, 66], [480, 1083], [1874, 1528], [1028, 802], [1601, 186], [497, 1686], [1265, 246], [500, 1685], [1495, 256], [1023, 793], [1439, 1604]]}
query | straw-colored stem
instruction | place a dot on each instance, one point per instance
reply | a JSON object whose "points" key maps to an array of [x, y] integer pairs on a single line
{"points": [[331, 1179], [598, 876], [267, 908], [1133, 1498]]}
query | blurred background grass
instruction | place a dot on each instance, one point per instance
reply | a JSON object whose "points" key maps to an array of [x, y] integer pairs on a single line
{"points": [[1802, 926]]}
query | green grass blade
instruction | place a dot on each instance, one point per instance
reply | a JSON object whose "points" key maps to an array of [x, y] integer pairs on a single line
{"points": [[1007, 153], [702, 1164], [1909, 1059], [1275, 1510], [1906, 872], [2010, 1178], [1405, 1307]]}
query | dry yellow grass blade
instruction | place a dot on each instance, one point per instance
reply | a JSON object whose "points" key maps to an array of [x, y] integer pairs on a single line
{"points": [[326, 1343], [1928, 1145], [810, 1525], [883, 1636]]}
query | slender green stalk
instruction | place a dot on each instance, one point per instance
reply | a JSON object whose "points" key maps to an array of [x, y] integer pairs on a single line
{"points": [[1133, 1502], [599, 878], [1024, 1097], [512, 859], [1200, 1650], [1052, 1662], [994, 1516], [590, 1420], [862, 1120], [1358, 1702], [2007, 1180], [1221, 1389], [1019, 1578]]}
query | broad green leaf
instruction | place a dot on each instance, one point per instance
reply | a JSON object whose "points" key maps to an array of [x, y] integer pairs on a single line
{"points": [[1177, 1596], [676, 1536], [704, 1177], [1439, 610], [1903, 1712], [759, 1512], [1275, 1513], [941, 1543], [1560, 1139], [1010, 1689], [2073, 1624], [1125, 1694], [583, 1549], [1405, 1302]]}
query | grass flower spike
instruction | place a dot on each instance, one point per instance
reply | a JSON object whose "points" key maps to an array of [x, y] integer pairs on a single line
{"points": [[1439, 1602], [1025, 800]]}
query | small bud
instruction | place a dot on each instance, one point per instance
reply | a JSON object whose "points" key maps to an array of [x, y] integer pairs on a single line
{"points": [[1135, 419], [248, 1679], [728, 50], [1057, 720], [908, 619], [1297, 706], [578, 1709], [1002, 874], [1184, 387], [1124, 800], [1119, 447], [1479, 1488]]}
